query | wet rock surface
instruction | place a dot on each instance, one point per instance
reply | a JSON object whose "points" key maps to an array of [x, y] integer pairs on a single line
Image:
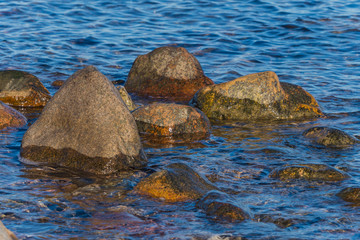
{"points": [[350, 194], [330, 137], [22, 89], [6, 234], [168, 119], [177, 182], [317, 172], [10, 117], [57, 83], [167, 72], [256, 96], [85, 126], [221, 207], [127, 98], [278, 221]]}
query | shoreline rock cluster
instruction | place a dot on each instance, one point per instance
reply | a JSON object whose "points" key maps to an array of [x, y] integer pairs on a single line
{"points": [[92, 126]]}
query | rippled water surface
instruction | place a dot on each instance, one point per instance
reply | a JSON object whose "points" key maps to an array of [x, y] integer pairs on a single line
{"points": [[315, 44]]}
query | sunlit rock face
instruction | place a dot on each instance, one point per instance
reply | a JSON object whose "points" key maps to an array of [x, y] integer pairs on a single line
{"points": [[85, 126]]}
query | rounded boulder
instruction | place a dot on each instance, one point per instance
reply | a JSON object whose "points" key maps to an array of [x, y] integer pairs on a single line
{"points": [[9, 117], [22, 89], [330, 137], [166, 72], [85, 126]]}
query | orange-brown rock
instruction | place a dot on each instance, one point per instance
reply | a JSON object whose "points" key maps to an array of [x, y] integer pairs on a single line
{"points": [[9, 117], [170, 119], [85, 126], [177, 182], [256, 96], [22, 89], [167, 72], [57, 83]]}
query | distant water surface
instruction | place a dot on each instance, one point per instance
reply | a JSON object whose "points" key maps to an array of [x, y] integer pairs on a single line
{"points": [[315, 44]]}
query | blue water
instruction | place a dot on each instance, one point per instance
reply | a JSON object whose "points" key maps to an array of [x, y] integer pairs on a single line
{"points": [[315, 44]]}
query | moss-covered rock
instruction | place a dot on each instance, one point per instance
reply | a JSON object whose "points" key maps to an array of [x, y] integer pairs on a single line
{"points": [[221, 207], [169, 119], [256, 96], [167, 72], [126, 98], [350, 194], [22, 89], [318, 172], [330, 137], [177, 182], [9, 117]]}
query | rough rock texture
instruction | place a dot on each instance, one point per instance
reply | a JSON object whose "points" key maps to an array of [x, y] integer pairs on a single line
{"points": [[9, 117], [177, 182], [319, 172], [57, 83], [22, 89], [167, 72], [221, 207], [350, 194], [85, 126], [256, 96], [6, 234], [168, 119], [126, 98], [330, 137]]}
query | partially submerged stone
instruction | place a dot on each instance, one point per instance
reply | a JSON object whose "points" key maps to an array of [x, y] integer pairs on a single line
{"points": [[256, 96], [167, 72], [318, 172], [6, 234], [169, 119], [177, 182], [221, 207], [22, 89], [330, 137], [9, 117], [57, 83], [126, 98], [350, 194], [85, 126], [278, 221]]}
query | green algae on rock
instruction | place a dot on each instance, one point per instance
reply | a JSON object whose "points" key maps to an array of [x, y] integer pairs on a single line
{"points": [[256, 96], [177, 182], [166, 72], [126, 98], [330, 137], [317, 172], [85, 126], [169, 119], [22, 89], [10, 117], [221, 207]]}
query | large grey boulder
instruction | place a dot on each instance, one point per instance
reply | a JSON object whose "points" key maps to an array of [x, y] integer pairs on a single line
{"points": [[85, 126]]}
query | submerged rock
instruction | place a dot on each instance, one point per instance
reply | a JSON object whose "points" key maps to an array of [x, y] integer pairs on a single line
{"points": [[57, 83], [177, 182], [85, 126], [278, 221], [6, 234], [330, 137], [256, 96], [350, 194], [168, 119], [22, 89], [319, 172], [126, 98], [167, 72], [9, 117], [221, 207]]}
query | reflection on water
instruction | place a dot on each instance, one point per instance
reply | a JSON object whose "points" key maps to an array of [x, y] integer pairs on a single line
{"points": [[314, 44]]}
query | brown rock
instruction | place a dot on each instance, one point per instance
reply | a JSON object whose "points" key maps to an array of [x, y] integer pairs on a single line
{"points": [[177, 182], [317, 172], [85, 126], [169, 119], [6, 234], [350, 194], [167, 72], [330, 137], [21, 89], [9, 117], [256, 96], [57, 83], [221, 207], [126, 98]]}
